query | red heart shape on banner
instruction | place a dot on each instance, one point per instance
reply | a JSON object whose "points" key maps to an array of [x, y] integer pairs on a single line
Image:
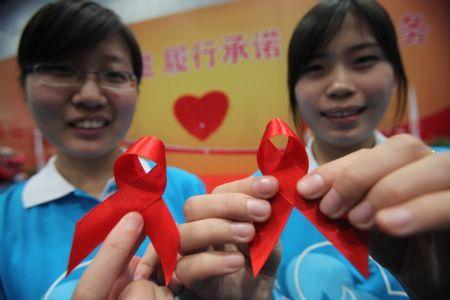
{"points": [[201, 116]]}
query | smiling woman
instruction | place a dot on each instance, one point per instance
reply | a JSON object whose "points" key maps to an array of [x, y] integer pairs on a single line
{"points": [[80, 69], [344, 65], [346, 87], [84, 115]]}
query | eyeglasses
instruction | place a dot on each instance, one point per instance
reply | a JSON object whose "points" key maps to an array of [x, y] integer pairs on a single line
{"points": [[61, 75]]}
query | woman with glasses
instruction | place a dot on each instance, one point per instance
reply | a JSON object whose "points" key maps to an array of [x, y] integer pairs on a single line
{"points": [[80, 68]]}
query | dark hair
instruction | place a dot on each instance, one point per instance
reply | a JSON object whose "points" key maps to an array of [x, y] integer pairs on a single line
{"points": [[61, 29], [319, 26]]}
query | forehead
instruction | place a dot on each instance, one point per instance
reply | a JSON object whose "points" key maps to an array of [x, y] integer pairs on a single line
{"points": [[112, 49], [353, 31]]}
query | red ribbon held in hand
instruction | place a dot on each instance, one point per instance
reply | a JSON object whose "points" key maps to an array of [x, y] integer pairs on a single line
{"points": [[288, 167], [140, 192]]}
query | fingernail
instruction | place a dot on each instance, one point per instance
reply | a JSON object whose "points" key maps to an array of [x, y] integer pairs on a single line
{"points": [[399, 220], [362, 214], [234, 261], [311, 186], [242, 230], [331, 204], [131, 221], [258, 208], [263, 185]]}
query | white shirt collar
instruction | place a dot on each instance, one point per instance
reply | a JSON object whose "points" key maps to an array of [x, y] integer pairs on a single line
{"points": [[379, 138], [48, 185]]}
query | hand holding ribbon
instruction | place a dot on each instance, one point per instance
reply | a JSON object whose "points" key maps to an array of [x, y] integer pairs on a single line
{"points": [[140, 192], [288, 167]]}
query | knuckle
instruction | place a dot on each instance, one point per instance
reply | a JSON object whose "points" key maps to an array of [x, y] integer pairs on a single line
{"points": [[411, 145], [217, 189], [387, 193], [116, 245], [444, 159], [189, 205], [443, 162], [350, 177], [350, 185]]}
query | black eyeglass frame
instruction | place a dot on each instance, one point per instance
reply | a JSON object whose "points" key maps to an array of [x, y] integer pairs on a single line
{"points": [[131, 78]]}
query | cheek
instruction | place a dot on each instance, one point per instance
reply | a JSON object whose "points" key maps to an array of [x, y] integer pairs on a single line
{"points": [[125, 107], [379, 88], [307, 95], [42, 102]]}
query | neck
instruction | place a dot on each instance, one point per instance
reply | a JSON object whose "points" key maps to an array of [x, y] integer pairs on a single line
{"points": [[88, 174], [325, 152]]}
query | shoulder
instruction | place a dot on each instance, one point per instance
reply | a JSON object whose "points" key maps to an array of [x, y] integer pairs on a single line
{"points": [[11, 209], [12, 195]]}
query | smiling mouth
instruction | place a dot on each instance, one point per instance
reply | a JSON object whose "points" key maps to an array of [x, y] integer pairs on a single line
{"points": [[89, 124], [342, 113]]}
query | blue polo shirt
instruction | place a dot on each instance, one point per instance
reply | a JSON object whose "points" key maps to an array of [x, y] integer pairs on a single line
{"points": [[37, 221]]}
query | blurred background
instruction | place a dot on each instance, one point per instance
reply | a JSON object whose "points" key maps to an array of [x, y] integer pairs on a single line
{"points": [[215, 74]]}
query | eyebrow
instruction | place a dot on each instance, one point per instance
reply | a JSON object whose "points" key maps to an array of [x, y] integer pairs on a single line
{"points": [[363, 46], [354, 48], [112, 58]]}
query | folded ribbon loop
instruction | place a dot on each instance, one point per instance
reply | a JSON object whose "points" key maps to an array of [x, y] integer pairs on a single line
{"points": [[288, 167], [140, 192]]}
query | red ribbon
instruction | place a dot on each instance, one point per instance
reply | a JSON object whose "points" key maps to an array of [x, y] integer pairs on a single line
{"points": [[138, 192], [288, 167]]}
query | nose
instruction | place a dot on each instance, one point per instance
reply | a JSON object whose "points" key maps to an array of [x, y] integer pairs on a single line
{"points": [[89, 95], [341, 86]]}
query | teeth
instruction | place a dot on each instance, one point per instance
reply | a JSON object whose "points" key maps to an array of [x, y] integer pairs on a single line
{"points": [[342, 114], [90, 124]]}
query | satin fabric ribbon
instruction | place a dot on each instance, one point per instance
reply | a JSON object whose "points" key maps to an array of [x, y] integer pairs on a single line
{"points": [[288, 167], [138, 191]]}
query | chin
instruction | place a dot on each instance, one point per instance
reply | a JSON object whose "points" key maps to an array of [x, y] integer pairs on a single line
{"points": [[88, 149], [348, 139]]}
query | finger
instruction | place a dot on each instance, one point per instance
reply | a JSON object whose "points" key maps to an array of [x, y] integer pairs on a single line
{"points": [[263, 187], [314, 185], [210, 232], [232, 206], [150, 264], [146, 290], [193, 269], [162, 293], [425, 213], [424, 176], [124, 278], [111, 259], [147, 264], [355, 180]]}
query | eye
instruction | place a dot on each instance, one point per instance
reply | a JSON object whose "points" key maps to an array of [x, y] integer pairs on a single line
{"points": [[115, 76], [314, 70], [56, 70], [365, 61]]}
